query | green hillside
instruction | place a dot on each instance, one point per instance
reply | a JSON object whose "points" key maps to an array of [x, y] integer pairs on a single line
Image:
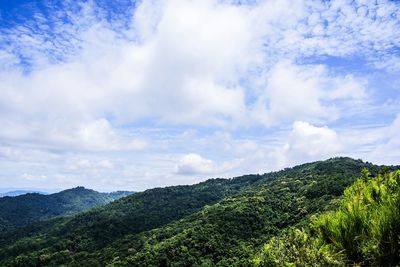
{"points": [[221, 222], [133, 214], [363, 231], [22, 210]]}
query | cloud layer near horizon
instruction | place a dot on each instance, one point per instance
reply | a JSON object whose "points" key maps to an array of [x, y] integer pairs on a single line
{"points": [[172, 92]]}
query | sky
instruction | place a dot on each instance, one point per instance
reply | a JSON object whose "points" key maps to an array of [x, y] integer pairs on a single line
{"points": [[131, 95]]}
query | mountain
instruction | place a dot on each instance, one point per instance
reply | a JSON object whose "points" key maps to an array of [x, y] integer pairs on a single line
{"points": [[139, 212], [24, 209], [220, 222], [15, 193], [363, 230]]}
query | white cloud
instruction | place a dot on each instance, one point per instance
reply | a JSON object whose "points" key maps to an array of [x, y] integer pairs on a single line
{"points": [[105, 163], [342, 28], [194, 164], [224, 81], [99, 135], [307, 92], [388, 62], [387, 149], [186, 63], [67, 135], [309, 142], [171, 76], [82, 164], [191, 164], [31, 177]]}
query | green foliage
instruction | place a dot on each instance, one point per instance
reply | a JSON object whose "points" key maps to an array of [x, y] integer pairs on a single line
{"points": [[367, 224], [298, 248], [220, 222], [92, 230], [228, 232], [363, 231], [22, 210]]}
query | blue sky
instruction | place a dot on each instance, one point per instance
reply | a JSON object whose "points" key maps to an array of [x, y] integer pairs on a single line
{"points": [[124, 95]]}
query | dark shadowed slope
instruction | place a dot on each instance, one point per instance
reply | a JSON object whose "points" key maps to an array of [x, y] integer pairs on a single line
{"points": [[24, 209]]}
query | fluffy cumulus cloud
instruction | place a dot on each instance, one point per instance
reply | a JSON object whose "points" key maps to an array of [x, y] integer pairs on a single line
{"points": [[185, 70], [307, 92], [307, 141], [146, 94], [194, 164]]}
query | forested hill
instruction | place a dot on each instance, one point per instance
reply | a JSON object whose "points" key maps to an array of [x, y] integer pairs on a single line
{"points": [[139, 212], [364, 230], [220, 222], [24, 209]]}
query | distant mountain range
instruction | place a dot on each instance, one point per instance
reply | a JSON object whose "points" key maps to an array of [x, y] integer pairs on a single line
{"points": [[28, 207], [15, 193]]}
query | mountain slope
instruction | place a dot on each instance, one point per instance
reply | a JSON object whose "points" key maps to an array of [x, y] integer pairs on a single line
{"points": [[224, 230], [363, 231], [133, 214], [228, 233], [22, 210]]}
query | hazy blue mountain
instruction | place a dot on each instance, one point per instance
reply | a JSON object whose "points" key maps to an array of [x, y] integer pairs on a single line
{"points": [[15, 193]]}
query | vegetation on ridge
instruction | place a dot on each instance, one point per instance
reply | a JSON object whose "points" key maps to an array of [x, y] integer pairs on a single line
{"points": [[92, 230], [221, 222], [22, 210], [363, 231]]}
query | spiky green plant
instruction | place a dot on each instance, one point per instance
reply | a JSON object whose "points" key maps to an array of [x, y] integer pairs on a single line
{"points": [[367, 224], [298, 248], [363, 231]]}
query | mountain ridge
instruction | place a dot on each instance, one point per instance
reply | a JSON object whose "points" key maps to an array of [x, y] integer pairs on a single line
{"points": [[16, 193], [239, 215], [32, 207]]}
